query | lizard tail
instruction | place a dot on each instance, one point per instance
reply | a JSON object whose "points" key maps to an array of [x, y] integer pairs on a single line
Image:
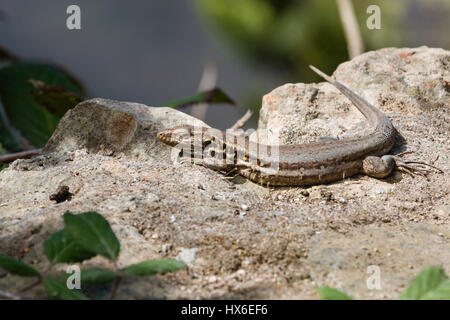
{"points": [[369, 111]]}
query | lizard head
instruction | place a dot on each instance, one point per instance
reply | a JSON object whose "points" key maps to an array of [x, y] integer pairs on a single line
{"points": [[206, 144], [190, 135], [177, 135]]}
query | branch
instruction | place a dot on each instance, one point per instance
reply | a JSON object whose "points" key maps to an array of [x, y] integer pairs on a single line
{"points": [[20, 155], [242, 121], [351, 29], [207, 82], [115, 288]]}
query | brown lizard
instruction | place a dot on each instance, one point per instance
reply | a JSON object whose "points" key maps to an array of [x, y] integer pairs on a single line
{"points": [[292, 165]]}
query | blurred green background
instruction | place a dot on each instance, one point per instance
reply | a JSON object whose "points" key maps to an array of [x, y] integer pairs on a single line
{"points": [[156, 51]]}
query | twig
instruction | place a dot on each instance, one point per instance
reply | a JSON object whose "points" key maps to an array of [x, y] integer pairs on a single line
{"points": [[34, 284], [19, 155], [207, 82], [242, 121], [351, 30], [115, 287]]}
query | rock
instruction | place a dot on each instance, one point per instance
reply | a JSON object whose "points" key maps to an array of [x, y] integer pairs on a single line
{"points": [[335, 260], [295, 239], [405, 80], [244, 207], [114, 127]]}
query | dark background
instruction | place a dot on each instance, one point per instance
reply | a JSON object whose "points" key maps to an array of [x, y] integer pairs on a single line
{"points": [[155, 51]]}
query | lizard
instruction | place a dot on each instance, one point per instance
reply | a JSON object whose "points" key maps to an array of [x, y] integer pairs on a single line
{"points": [[296, 165]]}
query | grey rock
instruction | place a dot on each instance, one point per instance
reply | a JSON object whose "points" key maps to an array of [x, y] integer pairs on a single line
{"points": [[113, 127], [405, 80]]}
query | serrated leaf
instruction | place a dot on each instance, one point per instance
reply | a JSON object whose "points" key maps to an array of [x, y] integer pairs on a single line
{"points": [[92, 232], [154, 266], [442, 292], [58, 290], [17, 267], [33, 120], [328, 293], [60, 247], [426, 281], [215, 95], [95, 275]]}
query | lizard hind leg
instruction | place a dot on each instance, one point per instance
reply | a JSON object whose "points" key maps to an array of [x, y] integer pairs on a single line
{"points": [[415, 167], [381, 167], [378, 167]]}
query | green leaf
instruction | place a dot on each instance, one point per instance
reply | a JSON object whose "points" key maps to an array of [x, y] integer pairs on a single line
{"points": [[95, 275], [54, 98], [7, 140], [424, 283], [442, 292], [328, 293], [33, 120], [93, 232], [60, 247], [154, 266], [58, 290], [215, 95], [17, 267]]}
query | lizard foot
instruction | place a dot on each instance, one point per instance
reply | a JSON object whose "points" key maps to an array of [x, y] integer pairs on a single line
{"points": [[415, 167], [381, 167]]}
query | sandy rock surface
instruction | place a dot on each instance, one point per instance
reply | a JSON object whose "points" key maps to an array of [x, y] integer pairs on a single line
{"points": [[242, 240]]}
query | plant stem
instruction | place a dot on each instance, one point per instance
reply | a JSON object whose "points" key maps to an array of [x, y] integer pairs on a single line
{"points": [[207, 82], [242, 121], [115, 287], [20, 155], [351, 29], [34, 284]]}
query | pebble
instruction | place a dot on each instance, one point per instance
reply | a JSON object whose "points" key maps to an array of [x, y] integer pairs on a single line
{"points": [[342, 200], [304, 193], [200, 186], [244, 207], [187, 255], [217, 197], [165, 248]]}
